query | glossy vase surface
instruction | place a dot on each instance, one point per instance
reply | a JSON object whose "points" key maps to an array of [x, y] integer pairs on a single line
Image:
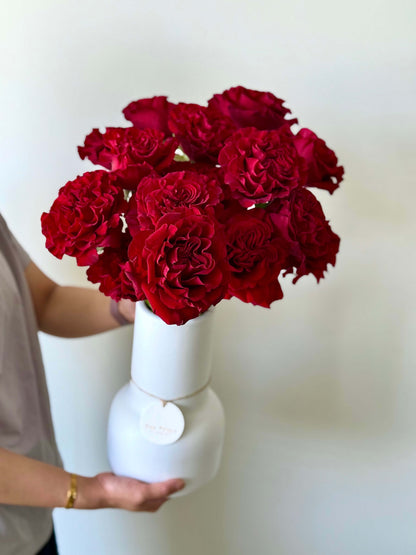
{"points": [[169, 363]]}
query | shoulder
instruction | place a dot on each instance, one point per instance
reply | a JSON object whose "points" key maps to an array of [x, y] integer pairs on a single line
{"points": [[5, 233], [9, 241]]}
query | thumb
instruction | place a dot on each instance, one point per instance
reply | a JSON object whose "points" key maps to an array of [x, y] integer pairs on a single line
{"points": [[157, 490]]}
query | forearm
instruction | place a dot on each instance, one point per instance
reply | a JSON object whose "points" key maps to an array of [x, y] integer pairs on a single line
{"points": [[76, 312], [31, 483], [28, 482], [72, 311]]}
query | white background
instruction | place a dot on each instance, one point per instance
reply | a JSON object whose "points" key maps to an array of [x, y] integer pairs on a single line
{"points": [[320, 391]]}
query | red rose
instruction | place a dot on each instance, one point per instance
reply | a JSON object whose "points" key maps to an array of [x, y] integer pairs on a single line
{"points": [[196, 167], [181, 265], [209, 170], [256, 254], [248, 108], [131, 216], [130, 177], [201, 131], [157, 196], [321, 161], [260, 166], [313, 244], [121, 147], [110, 272], [149, 113], [86, 215]]}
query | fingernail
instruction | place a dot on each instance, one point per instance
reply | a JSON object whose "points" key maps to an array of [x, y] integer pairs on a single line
{"points": [[180, 484]]}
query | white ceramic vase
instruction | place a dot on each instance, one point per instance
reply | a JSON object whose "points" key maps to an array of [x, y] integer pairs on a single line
{"points": [[169, 363]]}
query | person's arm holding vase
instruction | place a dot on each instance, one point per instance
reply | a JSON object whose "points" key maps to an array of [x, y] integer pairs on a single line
{"points": [[74, 312]]}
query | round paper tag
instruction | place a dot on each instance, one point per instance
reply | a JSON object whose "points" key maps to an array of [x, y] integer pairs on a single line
{"points": [[162, 424]]}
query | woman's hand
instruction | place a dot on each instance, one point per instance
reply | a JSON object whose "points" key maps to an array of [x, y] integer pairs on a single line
{"points": [[106, 490], [127, 309], [31, 483]]}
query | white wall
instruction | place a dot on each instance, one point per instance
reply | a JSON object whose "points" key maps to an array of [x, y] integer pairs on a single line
{"points": [[320, 391]]}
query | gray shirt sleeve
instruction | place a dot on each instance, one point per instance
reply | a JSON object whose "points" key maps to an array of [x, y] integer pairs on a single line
{"points": [[21, 253], [7, 235]]}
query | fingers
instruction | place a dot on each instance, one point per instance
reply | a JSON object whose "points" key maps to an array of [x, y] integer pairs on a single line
{"points": [[159, 490], [134, 495], [153, 506], [127, 309]]}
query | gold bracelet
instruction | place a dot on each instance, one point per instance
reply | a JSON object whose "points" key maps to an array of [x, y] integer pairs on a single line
{"points": [[72, 492]]}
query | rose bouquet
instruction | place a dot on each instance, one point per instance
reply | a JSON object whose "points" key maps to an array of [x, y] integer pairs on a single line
{"points": [[196, 204]]}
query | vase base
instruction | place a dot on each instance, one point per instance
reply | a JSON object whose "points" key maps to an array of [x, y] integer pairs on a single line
{"points": [[195, 457]]}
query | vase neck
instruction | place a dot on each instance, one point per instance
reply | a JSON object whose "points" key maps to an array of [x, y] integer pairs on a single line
{"points": [[171, 361]]}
